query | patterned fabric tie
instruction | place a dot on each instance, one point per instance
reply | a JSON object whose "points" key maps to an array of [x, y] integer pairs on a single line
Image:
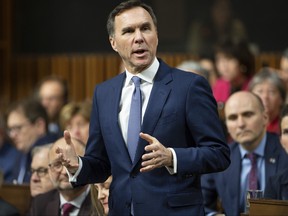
{"points": [[134, 125], [67, 208], [252, 179]]}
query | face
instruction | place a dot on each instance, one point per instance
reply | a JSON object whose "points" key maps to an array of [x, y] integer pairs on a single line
{"points": [[228, 67], [21, 131], [135, 39], [245, 121], [51, 95], [40, 181], [79, 128], [271, 98], [103, 193], [284, 133], [284, 70]]}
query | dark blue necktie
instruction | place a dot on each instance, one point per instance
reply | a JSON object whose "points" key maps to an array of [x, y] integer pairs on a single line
{"points": [[134, 125]]}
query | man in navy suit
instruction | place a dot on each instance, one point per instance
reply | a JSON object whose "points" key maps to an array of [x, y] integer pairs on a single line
{"points": [[181, 135], [246, 122]]}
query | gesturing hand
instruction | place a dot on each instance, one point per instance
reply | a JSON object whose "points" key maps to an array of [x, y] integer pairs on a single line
{"points": [[67, 155], [157, 155]]}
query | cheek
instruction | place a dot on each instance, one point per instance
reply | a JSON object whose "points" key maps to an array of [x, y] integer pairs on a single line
{"points": [[284, 142]]}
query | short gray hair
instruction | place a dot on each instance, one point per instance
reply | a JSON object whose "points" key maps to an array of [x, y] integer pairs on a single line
{"points": [[269, 74], [193, 66]]}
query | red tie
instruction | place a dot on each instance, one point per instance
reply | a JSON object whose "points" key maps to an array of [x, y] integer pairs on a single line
{"points": [[67, 208], [253, 181]]}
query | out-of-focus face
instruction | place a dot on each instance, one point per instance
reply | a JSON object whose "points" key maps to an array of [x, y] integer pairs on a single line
{"points": [[103, 193], [228, 67], [135, 39], [79, 128], [21, 131], [284, 133], [57, 171], [271, 98], [284, 70], [51, 96], [40, 181], [246, 122]]}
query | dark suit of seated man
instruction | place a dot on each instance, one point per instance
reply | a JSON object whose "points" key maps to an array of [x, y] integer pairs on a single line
{"points": [[277, 186], [52, 202], [246, 122]]}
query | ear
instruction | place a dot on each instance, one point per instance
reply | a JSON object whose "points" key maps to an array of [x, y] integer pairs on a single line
{"points": [[113, 43]]}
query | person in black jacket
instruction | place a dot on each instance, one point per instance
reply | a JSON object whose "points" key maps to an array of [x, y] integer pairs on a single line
{"points": [[277, 186]]}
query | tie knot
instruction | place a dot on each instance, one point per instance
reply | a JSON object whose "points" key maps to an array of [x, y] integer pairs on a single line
{"points": [[136, 80], [251, 156], [67, 208]]}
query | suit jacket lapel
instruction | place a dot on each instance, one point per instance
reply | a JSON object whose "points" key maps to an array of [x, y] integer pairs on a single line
{"points": [[158, 97], [53, 206]]}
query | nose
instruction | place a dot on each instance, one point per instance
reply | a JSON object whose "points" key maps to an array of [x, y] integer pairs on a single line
{"points": [[240, 121], [138, 36], [35, 177], [100, 194]]}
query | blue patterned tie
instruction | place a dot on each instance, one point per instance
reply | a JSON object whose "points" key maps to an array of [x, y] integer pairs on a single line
{"points": [[134, 125]]}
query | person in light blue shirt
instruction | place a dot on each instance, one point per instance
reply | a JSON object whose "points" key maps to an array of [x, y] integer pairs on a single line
{"points": [[246, 122]]}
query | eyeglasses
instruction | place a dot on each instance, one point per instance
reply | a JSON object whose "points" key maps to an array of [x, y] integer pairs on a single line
{"points": [[56, 167], [40, 172], [16, 128]]}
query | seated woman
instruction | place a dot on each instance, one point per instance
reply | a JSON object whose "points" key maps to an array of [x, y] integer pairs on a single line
{"points": [[271, 89], [75, 117], [102, 190]]}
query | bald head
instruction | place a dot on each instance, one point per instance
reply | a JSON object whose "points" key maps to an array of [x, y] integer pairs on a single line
{"points": [[246, 119], [242, 97]]}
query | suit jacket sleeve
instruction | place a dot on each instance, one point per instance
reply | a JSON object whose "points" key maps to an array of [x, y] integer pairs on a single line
{"points": [[210, 153]]}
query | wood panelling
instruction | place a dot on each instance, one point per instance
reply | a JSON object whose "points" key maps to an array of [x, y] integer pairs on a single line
{"points": [[83, 72], [5, 52]]}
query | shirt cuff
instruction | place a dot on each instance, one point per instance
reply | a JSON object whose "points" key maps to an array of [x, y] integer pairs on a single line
{"points": [[173, 170], [73, 178]]}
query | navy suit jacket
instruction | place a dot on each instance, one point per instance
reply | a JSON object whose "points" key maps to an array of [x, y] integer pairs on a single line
{"points": [[49, 204], [277, 186], [226, 184], [181, 114]]}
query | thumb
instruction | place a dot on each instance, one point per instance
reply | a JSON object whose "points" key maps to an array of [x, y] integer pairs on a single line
{"points": [[67, 137], [147, 137]]}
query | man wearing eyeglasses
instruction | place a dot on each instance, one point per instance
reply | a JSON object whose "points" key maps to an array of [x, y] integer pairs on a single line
{"points": [[27, 124], [54, 201], [40, 181]]}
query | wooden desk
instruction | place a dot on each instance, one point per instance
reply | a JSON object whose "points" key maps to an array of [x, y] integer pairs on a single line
{"points": [[268, 207], [17, 195]]}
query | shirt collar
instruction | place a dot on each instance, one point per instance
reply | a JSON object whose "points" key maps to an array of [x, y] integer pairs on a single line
{"points": [[77, 202], [147, 75], [259, 150]]}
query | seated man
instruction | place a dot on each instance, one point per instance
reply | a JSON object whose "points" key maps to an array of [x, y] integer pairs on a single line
{"points": [[40, 181], [27, 123], [246, 122], [277, 187], [77, 199]]}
